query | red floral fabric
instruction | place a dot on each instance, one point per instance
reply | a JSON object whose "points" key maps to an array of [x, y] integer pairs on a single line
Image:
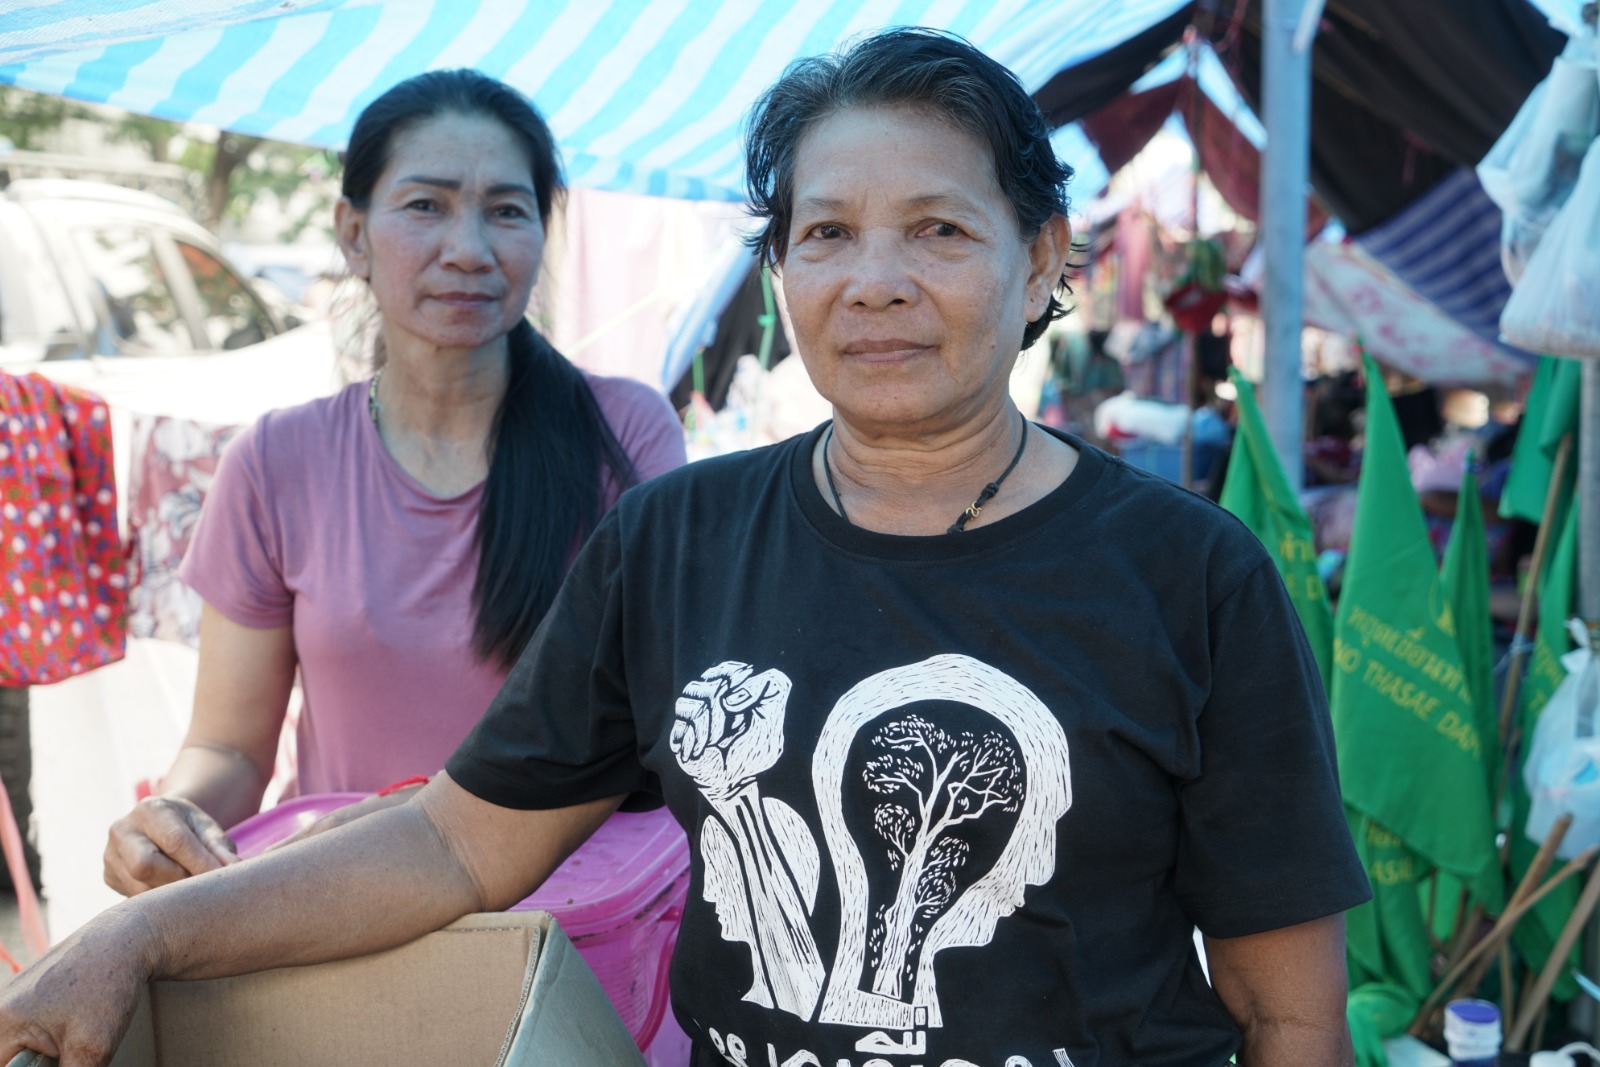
{"points": [[174, 464], [63, 586]]}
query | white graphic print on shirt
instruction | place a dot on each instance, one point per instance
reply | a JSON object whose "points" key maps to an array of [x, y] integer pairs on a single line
{"points": [[924, 782]]}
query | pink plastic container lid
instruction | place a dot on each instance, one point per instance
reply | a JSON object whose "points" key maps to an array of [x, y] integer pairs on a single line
{"points": [[631, 864], [636, 862], [261, 831]]}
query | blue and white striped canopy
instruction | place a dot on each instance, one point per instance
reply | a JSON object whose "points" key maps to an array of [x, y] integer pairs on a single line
{"points": [[643, 95]]}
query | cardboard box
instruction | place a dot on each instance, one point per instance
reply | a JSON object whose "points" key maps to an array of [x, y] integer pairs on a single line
{"points": [[501, 990]]}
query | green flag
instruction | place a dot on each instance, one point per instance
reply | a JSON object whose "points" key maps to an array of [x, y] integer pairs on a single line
{"points": [[1386, 938], [1257, 491], [1410, 753], [1466, 582], [1534, 939], [1552, 409]]}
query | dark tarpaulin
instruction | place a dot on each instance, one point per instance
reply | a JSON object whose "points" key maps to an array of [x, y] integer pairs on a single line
{"points": [[739, 332], [1086, 88], [1404, 93]]}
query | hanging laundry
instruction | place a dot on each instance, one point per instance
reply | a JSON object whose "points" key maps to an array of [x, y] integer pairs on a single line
{"points": [[63, 586], [174, 463]]}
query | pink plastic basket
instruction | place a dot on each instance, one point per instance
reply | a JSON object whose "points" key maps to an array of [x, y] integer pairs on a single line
{"points": [[619, 898]]}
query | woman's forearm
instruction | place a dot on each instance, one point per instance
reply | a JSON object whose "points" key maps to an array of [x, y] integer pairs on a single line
{"points": [[223, 782], [375, 884]]}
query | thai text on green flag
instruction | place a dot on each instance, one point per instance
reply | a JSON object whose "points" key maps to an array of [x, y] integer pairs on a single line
{"points": [[1411, 755]]}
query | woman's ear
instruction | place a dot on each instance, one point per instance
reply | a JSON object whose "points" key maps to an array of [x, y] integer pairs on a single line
{"points": [[350, 227], [1048, 253]]}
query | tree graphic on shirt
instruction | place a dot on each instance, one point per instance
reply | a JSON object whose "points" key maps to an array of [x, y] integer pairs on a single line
{"points": [[935, 781]]}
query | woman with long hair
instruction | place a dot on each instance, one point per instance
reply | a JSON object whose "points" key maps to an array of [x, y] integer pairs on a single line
{"points": [[397, 543]]}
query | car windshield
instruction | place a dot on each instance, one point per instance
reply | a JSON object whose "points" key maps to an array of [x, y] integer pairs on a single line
{"points": [[234, 318], [144, 314]]}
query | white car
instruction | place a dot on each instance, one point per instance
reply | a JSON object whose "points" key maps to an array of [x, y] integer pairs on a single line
{"points": [[89, 269]]}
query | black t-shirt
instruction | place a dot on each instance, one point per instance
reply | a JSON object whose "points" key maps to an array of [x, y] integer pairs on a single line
{"points": [[953, 800]]}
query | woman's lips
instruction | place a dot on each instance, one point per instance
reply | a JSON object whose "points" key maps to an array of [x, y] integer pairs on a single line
{"points": [[464, 299], [889, 350]]}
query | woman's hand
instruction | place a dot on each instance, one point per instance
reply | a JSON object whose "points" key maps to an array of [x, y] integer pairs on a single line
{"points": [[218, 777], [75, 1003], [162, 840]]}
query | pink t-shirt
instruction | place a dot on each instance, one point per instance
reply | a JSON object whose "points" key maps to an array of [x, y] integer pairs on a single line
{"points": [[311, 522]]}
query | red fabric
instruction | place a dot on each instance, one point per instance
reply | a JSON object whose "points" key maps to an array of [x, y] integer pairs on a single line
{"points": [[174, 462], [1231, 162], [63, 588], [1193, 308], [1136, 252], [1122, 128]]}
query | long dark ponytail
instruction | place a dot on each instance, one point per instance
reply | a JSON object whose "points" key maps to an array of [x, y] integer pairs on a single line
{"points": [[542, 497], [550, 441]]}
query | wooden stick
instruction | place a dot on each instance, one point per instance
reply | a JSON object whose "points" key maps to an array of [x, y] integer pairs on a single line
{"points": [[1502, 930], [1521, 901], [1508, 995], [1530, 591], [1530, 879], [1466, 928], [1535, 875], [1535, 994]]}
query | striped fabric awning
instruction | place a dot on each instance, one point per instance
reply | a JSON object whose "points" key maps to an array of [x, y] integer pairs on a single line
{"points": [[644, 96], [1446, 245]]}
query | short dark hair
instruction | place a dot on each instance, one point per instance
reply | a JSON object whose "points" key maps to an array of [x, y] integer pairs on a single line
{"points": [[928, 69], [550, 440]]}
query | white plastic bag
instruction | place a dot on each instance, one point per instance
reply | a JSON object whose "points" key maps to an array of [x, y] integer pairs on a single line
{"points": [[1562, 771], [1555, 307], [1532, 169]]}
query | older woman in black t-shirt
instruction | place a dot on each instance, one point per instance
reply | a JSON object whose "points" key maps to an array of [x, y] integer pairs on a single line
{"points": [[916, 214]]}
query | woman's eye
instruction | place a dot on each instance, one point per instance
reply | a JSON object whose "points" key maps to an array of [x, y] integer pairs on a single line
{"points": [[944, 229], [827, 231], [421, 203], [511, 211]]}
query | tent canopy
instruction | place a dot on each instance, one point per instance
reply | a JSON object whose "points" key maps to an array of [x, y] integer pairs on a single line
{"points": [[644, 96]]}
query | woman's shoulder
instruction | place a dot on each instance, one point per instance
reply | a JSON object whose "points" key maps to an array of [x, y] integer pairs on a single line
{"points": [[643, 422], [307, 431], [619, 396], [736, 476], [1152, 514]]}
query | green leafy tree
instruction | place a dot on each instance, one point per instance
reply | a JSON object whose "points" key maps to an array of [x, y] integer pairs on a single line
{"points": [[28, 120], [154, 135]]}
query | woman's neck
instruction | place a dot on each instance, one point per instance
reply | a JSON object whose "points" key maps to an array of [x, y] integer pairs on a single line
{"points": [[920, 485], [435, 410], [443, 394]]}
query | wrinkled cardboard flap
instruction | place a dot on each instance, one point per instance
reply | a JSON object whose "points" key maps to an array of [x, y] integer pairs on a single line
{"points": [[453, 997]]}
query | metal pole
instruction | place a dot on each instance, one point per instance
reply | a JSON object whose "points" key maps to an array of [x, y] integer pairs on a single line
{"points": [[1286, 100], [1588, 496]]}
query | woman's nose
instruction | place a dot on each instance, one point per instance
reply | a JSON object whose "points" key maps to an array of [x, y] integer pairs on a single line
{"points": [[879, 272], [466, 243]]}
